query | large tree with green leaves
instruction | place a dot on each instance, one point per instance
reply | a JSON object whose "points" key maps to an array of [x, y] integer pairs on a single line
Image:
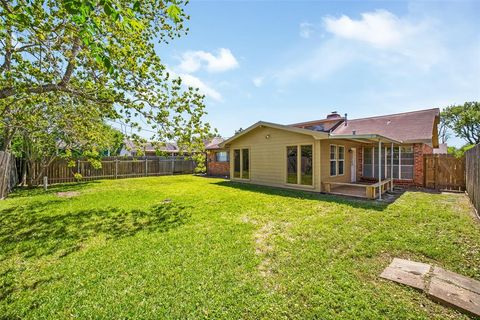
{"points": [[464, 120], [93, 60]]}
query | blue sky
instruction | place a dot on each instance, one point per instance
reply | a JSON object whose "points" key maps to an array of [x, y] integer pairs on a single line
{"points": [[292, 61]]}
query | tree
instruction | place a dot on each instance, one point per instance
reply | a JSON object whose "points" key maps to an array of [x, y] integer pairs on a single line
{"points": [[60, 131], [464, 121], [93, 60], [443, 132]]}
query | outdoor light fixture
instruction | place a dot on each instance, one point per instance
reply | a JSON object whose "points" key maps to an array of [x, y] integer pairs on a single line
{"points": [[267, 136]]}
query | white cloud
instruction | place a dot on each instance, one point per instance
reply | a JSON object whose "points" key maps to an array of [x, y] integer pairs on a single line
{"points": [[192, 61], [195, 82], [380, 40], [258, 81], [306, 30], [380, 28]]}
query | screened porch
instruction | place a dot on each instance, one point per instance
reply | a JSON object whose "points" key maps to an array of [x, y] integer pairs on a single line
{"points": [[383, 160]]}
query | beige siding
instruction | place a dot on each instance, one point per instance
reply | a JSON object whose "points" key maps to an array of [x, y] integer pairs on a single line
{"points": [[268, 156], [325, 161]]}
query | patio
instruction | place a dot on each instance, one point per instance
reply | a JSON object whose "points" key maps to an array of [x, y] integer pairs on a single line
{"points": [[366, 189], [359, 189]]}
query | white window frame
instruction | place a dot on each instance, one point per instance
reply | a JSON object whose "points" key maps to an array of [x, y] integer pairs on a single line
{"points": [[334, 160], [340, 160], [241, 163], [299, 165]]}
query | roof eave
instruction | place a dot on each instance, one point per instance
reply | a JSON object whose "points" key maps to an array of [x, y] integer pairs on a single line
{"points": [[315, 134], [365, 137]]}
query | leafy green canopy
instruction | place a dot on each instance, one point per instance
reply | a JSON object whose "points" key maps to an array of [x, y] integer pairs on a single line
{"points": [[73, 64], [464, 121]]}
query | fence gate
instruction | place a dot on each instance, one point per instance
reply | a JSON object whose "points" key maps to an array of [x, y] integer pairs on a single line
{"points": [[444, 171]]}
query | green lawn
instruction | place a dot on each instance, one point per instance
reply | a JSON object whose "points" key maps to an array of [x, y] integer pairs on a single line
{"points": [[192, 247]]}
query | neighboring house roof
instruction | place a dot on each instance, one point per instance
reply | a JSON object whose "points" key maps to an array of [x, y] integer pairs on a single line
{"points": [[409, 127], [314, 134], [169, 147], [214, 143], [442, 149]]}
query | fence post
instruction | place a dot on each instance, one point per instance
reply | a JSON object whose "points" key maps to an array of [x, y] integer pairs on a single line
{"points": [[116, 168], [173, 164], [45, 183], [146, 166]]}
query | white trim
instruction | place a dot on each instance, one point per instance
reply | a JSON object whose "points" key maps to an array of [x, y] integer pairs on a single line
{"points": [[338, 160], [299, 165], [241, 164], [353, 164], [334, 160], [315, 134]]}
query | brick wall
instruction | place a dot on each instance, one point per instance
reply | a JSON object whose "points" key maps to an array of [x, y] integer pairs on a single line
{"points": [[419, 149], [359, 163], [215, 168]]}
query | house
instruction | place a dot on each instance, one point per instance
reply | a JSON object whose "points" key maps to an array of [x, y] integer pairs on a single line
{"points": [[130, 149], [218, 159], [442, 149], [358, 157]]}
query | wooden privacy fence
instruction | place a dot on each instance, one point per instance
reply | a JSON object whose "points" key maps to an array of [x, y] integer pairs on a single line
{"points": [[8, 173], [444, 171], [472, 165], [113, 168]]}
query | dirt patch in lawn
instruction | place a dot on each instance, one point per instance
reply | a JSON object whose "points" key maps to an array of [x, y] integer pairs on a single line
{"points": [[68, 194], [264, 247]]}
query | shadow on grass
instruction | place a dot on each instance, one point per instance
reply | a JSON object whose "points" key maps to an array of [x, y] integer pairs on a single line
{"points": [[22, 192], [297, 194], [30, 231]]}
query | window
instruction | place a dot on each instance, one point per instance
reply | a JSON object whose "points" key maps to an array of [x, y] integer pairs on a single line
{"points": [[245, 164], [403, 162], [241, 164], [236, 163], [292, 164], [221, 156], [333, 160], [306, 172], [341, 160], [300, 165]]}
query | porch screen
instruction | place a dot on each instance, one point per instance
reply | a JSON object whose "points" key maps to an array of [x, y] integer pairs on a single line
{"points": [[402, 162], [367, 162]]}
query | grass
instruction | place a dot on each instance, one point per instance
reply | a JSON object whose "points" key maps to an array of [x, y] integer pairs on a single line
{"points": [[192, 247]]}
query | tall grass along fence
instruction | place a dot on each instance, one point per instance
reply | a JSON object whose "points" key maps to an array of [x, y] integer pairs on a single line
{"points": [[8, 173], [112, 168], [472, 165]]}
